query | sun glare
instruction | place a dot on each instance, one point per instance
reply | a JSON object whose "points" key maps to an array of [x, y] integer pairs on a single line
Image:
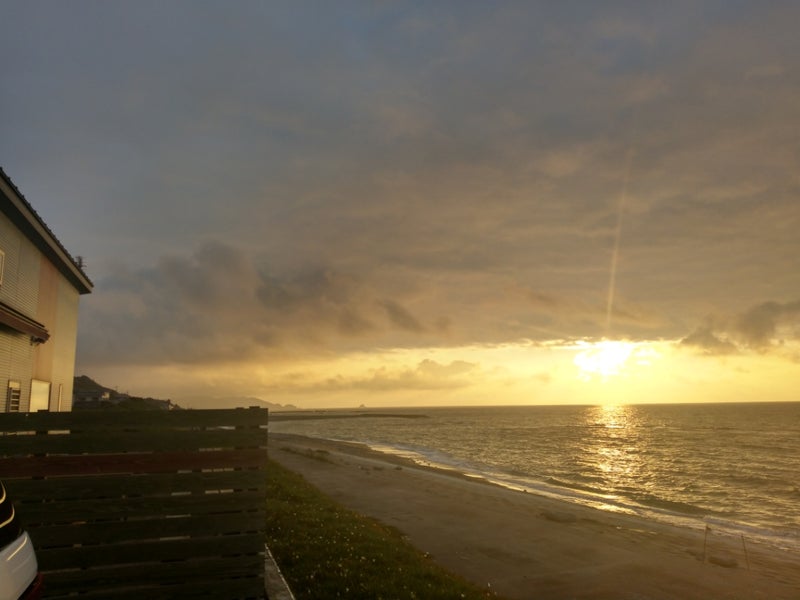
{"points": [[604, 359]]}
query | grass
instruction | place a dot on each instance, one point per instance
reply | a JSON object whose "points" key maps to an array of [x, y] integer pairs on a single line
{"points": [[321, 455], [327, 551]]}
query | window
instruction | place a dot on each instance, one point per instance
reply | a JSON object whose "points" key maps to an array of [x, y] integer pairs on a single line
{"points": [[40, 395]]}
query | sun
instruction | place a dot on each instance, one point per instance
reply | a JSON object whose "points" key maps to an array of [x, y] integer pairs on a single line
{"points": [[605, 358]]}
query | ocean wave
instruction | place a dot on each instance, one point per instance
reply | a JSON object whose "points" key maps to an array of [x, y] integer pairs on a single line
{"points": [[573, 486], [671, 505], [679, 463]]}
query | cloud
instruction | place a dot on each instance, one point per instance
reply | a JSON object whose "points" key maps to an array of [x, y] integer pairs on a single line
{"points": [[762, 328], [401, 317], [220, 303], [757, 327], [397, 178], [705, 340], [592, 313], [428, 374], [223, 303]]}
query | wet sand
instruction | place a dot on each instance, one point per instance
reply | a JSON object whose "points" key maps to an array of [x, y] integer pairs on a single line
{"points": [[525, 546]]}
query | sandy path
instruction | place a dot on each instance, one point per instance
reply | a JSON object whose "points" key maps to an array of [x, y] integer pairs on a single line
{"points": [[526, 546]]}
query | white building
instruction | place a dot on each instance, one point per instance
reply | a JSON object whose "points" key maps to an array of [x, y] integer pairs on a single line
{"points": [[40, 284]]}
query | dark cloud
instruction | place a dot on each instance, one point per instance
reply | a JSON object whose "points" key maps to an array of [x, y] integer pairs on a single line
{"points": [[708, 342], [591, 315], [762, 327], [219, 304], [758, 326], [385, 176], [318, 287], [400, 317]]}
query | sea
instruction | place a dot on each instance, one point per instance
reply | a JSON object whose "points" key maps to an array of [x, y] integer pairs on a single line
{"points": [[728, 468]]}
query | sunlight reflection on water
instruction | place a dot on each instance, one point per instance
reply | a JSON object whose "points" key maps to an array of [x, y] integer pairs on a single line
{"points": [[736, 464]]}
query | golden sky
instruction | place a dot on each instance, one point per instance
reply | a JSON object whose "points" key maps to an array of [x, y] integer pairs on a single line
{"points": [[335, 204]]}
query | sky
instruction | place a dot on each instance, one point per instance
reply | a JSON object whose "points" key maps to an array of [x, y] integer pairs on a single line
{"points": [[419, 203]]}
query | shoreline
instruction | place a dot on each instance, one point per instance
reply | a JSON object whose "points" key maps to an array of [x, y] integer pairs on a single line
{"points": [[523, 545], [760, 533]]}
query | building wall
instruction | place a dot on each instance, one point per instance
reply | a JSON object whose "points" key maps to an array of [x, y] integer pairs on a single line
{"points": [[64, 336], [33, 286]]}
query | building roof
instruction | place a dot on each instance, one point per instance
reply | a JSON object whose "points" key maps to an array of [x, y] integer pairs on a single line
{"points": [[14, 205]]}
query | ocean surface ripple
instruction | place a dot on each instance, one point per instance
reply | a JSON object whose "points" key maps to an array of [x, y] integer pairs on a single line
{"points": [[731, 467]]}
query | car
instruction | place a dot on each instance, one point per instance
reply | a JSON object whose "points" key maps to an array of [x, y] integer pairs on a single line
{"points": [[19, 572]]}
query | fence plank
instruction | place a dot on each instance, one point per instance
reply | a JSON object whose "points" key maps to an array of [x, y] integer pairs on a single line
{"points": [[111, 532], [143, 507], [151, 505], [102, 464], [119, 420], [113, 486], [90, 442], [155, 574], [144, 553], [245, 588]]}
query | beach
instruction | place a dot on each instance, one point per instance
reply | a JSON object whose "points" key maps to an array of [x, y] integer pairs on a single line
{"points": [[522, 545]]}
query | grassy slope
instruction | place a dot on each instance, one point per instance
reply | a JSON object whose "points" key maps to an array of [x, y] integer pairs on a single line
{"points": [[326, 551]]}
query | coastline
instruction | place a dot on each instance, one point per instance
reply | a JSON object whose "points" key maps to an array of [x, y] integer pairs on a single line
{"points": [[522, 545]]}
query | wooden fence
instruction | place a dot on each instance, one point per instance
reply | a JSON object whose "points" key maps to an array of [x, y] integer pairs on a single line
{"points": [[142, 504]]}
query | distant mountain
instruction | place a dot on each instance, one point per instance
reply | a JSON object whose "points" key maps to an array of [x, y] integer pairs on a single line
{"points": [[84, 383], [232, 402], [87, 394]]}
